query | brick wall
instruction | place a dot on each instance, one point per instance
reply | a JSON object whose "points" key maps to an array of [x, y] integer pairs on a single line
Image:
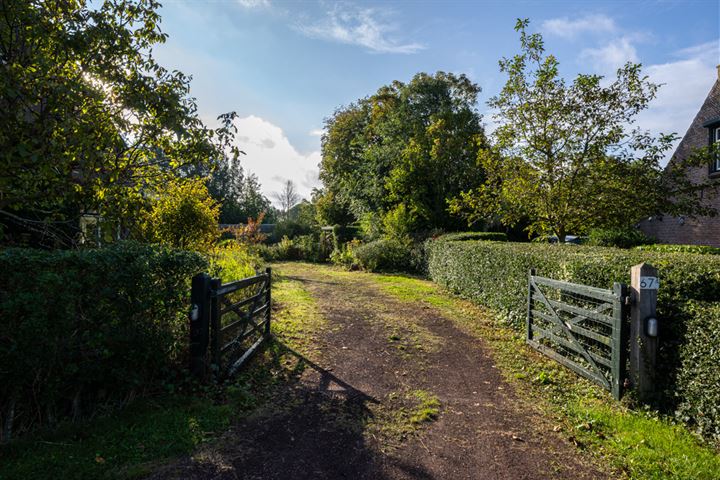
{"points": [[700, 230]]}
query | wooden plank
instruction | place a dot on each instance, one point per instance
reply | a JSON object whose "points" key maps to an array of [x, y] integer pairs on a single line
{"points": [[576, 329], [243, 336], [237, 285], [575, 367], [235, 306], [583, 312], [559, 322], [542, 333], [248, 353], [245, 318], [593, 292]]}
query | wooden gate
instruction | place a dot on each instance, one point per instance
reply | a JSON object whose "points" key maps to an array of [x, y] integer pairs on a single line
{"points": [[581, 327], [228, 322]]}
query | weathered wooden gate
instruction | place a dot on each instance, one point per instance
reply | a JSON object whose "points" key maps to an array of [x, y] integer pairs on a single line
{"points": [[581, 327], [228, 321]]}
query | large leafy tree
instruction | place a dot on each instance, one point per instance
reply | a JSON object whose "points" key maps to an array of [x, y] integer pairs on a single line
{"points": [[567, 157], [89, 121], [409, 147]]}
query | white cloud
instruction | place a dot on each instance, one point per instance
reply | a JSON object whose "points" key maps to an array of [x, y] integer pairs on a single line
{"points": [[567, 28], [254, 3], [612, 56], [365, 27], [685, 84], [272, 157], [317, 132]]}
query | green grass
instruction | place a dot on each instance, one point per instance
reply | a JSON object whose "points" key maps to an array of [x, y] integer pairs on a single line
{"points": [[125, 445], [136, 440], [636, 444]]}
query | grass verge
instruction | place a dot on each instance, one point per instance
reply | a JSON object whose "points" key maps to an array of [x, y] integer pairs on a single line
{"points": [[637, 444], [133, 442]]}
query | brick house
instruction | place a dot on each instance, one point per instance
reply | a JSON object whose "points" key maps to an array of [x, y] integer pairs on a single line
{"points": [[704, 129]]}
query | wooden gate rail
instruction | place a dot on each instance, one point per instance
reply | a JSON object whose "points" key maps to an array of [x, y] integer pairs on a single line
{"points": [[223, 346], [580, 327]]}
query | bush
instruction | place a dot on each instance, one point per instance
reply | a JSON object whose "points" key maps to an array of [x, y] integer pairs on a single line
{"points": [[89, 327], [618, 237], [232, 261], [290, 229], [313, 248], [495, 274], [662, 247], [184, 216], [385, 255]]}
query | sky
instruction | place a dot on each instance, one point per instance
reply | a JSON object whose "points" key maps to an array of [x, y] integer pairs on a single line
{"points": [[285, 66]]}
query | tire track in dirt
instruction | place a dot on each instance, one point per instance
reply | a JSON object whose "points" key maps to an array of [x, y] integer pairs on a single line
{"points": [[340, 421]]}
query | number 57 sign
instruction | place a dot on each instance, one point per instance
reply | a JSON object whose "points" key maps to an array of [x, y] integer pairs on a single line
{"points": [[649, 283]]}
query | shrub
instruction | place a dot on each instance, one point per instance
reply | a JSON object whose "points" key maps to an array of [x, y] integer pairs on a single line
{"points": [[89, 327], [232, 261], [184, 216], [495, 274], [662, 247], [313, 248], [290, 229], [385, 255], [618, 237]]}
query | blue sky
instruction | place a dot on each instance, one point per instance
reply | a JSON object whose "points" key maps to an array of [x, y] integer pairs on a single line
{"points": [[284, 66]]}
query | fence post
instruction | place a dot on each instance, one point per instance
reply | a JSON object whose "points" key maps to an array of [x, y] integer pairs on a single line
{"points": [[643, 334], [268, 299], [199, 324], [215, 283]]}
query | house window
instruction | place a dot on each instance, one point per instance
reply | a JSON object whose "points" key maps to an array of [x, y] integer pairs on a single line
{"points": [[715, 166]]}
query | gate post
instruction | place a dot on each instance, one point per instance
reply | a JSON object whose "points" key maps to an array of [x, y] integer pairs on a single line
{"points": [[268, 299], [643, 330], [199, 324], [215, 326]]}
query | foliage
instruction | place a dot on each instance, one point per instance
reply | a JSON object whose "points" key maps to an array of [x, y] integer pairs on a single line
{"points": [[662, 247], [495, 274], [232, 261], [249, 233], [312, 248], [399, 223], [104, 337], [411, 144], [343, 234], [618, 237], [565, 155], [290, 229], [385, 255], [90, 122], [183, 216], [330, 209]]}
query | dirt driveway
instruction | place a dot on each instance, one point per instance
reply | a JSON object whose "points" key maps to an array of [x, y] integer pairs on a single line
{"points": [[393, 390]]}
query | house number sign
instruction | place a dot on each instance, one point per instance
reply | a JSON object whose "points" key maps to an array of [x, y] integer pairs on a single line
{"points": [[649, 283]]}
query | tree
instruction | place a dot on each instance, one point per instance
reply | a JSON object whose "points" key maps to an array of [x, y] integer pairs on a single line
{"points": [[89, 121], [411, 144], [183, 216], [287, 198], [567, 158]]}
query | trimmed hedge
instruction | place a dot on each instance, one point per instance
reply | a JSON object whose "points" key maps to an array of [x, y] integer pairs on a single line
{"points": [[461, 236], [495, 274], [662, 247], [89, 327]]}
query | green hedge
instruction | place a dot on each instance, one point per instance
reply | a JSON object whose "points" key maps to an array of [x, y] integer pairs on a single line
{"points": [[661, 247], [495, 274], [461, 236], [386, 255], [89, 327]]}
